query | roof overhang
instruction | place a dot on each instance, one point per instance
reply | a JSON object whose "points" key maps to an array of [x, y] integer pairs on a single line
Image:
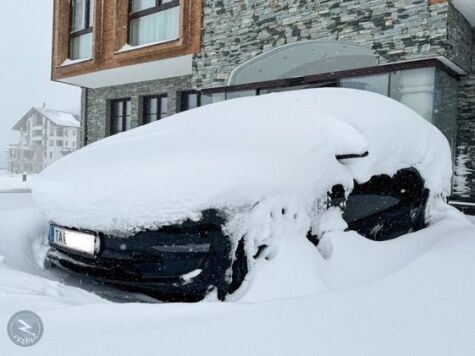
{"points": [[467, 8], [161, 69]]}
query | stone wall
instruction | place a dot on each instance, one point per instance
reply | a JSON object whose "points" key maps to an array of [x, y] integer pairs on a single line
{"points": [[97, 100], [459, 39], [235, 31], [464, 179]]}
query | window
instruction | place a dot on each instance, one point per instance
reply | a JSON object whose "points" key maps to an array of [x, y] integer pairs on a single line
{"points": [[153, 21], [51, 129], [65, 143], [51, 155], [211, 98], [59, 131], [375, 83], [59, 143], [120, 116], [80, 32], [37, 133], [51, 143], [155, 108], [28, 154], [38, 121], [190, 100], [415, 88]]}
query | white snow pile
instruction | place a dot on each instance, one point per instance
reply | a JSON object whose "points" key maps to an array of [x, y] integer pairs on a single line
{"points": [[23, 232], [11, 181], [421, 305], [278, 150]]}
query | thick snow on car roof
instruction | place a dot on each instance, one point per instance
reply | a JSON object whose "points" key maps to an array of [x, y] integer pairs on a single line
{"points": [[239, 152]]}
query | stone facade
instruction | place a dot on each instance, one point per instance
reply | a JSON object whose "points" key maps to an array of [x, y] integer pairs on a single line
{"points": [[96, 102], [459, 39], [464, 179], [235, 31]]}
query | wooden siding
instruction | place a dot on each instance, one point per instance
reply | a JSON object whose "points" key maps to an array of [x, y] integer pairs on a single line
{"points": [[110, 35]]}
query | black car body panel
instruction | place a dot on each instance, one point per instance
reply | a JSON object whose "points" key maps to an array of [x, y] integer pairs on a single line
{"points": [[155, 262], [385, 207]]}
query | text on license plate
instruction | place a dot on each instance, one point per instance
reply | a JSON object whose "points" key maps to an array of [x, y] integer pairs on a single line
{"points": [[73, 240]]}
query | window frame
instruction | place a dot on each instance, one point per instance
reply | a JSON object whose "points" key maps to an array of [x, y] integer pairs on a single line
{"points": [[88, 26], [123, 114], [145, 105], [159, 6]]}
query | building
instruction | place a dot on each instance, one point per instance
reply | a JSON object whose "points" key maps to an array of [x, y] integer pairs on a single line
{"points": [[45, 136], [141, 60]]}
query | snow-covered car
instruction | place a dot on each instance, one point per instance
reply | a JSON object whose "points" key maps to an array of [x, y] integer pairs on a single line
{"points": [[192, 203]]}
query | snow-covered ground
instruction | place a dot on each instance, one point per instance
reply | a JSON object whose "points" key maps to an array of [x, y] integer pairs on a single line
{"points": [[11, 181], [421, 305]]}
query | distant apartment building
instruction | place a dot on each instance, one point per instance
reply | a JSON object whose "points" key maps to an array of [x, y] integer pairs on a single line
{"points": [[45, 136]]}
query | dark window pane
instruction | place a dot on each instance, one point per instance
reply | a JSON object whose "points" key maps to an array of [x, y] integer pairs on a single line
{"points": [[240, 94], [212, 98], [191, 101], [138, 5], [163, 107], [154, 28], [117, 108], [155, 107], [78, 15], [375, 83], [81, 47], [362, 206], [128, 122], [128, 107], [120, 115], [152, 105], [149, 118], [387, 207], [116, 124]]}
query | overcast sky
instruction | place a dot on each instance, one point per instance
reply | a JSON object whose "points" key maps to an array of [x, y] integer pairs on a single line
{"points": [[25, 60]]}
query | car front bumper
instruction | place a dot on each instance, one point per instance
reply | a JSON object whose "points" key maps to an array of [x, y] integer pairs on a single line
{"points": [[177, 263]]}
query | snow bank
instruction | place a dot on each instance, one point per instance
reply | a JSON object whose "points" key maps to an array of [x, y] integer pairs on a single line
{"points": [[22, 231], [24, 284], [422, 307], [275, 149], [11, 181]]}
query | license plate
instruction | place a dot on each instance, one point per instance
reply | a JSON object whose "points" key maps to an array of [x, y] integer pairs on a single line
{"points": [[75, 241]]}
